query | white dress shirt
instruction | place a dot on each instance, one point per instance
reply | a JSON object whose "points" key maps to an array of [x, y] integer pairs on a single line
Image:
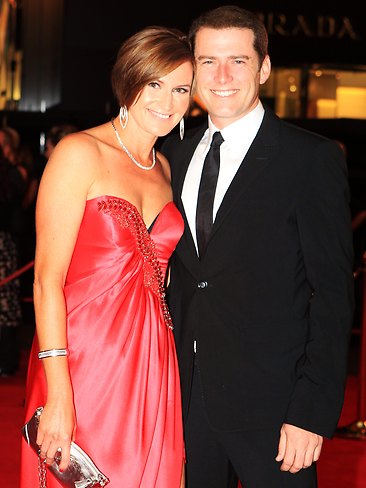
{"points": [[238, 137]]}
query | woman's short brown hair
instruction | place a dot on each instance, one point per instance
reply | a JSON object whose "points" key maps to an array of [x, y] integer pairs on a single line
{"points": [[148, 55]]}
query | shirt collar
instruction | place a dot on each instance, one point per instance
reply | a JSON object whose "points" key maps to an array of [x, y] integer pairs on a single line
{"points": [[245, 129]]}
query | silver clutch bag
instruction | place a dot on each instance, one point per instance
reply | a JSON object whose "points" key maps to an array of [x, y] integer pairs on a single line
{"points": [[81, 472]]}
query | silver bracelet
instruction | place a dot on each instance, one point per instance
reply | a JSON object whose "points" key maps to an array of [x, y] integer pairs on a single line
{"points": [[51, 353]]}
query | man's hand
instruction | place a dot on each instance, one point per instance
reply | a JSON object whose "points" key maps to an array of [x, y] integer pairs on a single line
{"points": [[298, 448]]}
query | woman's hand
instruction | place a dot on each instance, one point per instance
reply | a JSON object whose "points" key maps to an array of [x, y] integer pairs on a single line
{"points": [[55, 432]]}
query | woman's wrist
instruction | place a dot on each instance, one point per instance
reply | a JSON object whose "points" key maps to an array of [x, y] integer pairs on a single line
{"points": [[52, 353]]}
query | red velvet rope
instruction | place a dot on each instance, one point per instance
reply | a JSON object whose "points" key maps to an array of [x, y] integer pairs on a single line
{"points": [[16, 273]]}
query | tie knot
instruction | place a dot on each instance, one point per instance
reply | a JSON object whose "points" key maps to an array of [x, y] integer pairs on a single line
{"points": [[217, 139]]}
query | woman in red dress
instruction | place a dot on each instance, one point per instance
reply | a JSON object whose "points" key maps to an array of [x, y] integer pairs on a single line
{"points": [[106, 228]]}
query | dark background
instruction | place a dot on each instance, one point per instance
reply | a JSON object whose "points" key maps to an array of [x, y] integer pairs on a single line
{"points": [[94, 29], [69, 46]]}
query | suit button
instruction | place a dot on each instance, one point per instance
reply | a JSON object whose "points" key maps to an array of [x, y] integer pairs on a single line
{"points": [[202, 284]]}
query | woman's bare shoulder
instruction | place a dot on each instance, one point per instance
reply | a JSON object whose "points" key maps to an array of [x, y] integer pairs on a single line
{"points": [[78, 150]]}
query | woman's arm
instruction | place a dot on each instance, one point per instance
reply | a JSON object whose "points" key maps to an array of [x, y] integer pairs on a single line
{"points": [[60, 206]]}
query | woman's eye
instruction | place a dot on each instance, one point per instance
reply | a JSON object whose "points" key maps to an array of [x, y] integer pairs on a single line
{"points": [[181, 90]]}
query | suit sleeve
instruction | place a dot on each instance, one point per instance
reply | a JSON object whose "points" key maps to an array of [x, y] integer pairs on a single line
{"points": [[324, 226]]}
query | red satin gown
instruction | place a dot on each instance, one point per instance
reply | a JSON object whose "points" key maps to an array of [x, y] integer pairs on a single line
{"points": [[122, 359]]}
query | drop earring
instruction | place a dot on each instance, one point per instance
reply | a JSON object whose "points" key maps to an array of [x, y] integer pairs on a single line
{"points": [[181, 128], [123, 116]]}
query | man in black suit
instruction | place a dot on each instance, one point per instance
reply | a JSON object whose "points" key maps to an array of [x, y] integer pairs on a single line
{"points": [[263, 309]]}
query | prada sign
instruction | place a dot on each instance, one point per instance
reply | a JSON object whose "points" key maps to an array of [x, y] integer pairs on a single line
{"points": [[298, 25]]}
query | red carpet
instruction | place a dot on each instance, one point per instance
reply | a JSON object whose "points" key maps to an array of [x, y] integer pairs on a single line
{"points": [[11, 419], [342, 463]]}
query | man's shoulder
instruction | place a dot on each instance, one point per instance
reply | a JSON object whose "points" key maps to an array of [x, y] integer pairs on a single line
{"points": [[292, 128]]}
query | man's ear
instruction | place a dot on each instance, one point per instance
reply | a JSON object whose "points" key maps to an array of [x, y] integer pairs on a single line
{"points": [[265, 70]]}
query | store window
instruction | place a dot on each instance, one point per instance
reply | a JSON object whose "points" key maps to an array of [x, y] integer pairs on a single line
{"points": [[317, 92]]}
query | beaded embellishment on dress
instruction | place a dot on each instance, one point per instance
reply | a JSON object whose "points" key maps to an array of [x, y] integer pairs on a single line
{"points": [[128, 216]]}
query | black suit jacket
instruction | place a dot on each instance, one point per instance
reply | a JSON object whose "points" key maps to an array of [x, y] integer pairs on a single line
{"points": [[270, 304]]}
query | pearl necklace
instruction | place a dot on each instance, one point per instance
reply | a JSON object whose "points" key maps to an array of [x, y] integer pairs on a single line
{"points": [[147, 168]]}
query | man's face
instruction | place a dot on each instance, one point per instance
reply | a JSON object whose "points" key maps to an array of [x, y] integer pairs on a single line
{"points": [[228, 73]]}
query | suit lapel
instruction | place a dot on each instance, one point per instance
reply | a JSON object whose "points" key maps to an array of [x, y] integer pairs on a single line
{"points": [[256, 160], [186, 150], [186, 246]]}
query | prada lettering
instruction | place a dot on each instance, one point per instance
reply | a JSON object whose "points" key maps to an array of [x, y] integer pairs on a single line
{"points": [[322, 26]]}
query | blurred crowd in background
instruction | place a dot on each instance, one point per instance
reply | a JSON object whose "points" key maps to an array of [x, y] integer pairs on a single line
{"points": [[20, 174]]}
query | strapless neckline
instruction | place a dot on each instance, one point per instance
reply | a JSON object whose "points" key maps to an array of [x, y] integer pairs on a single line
{"points": [[101, 197]]}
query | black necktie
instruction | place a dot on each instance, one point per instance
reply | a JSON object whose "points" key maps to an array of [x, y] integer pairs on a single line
{"points": [[206, 192]]}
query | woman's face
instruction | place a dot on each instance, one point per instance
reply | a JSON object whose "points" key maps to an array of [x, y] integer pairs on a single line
{"points": [[163, 102]]}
